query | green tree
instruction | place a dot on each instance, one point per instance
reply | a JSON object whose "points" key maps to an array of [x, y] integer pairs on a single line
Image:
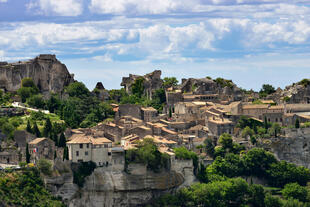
{"points": [[257, 195], [36, 101], [272, 201], [77, 89], [295, 191], [27, 154], [226, 141], [137, 87], [297, 124], [45, 167], [53, 103], [275, 129], [210, 147], [257, 161], [267, 89], [28, 128], [170, 82], [66, 154], [47, 127], [170, 112], [62, 140], [36, 130], [281, 173], [247, 131]]}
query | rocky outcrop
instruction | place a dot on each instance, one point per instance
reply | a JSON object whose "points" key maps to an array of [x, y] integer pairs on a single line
{"points": [[113, 187], [110, 188], [203, 86], [294, 147], [152, 82], [49, 74], [61, 183], [101, 93], [294, 94]]}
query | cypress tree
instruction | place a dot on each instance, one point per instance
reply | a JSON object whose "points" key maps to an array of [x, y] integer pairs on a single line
{"points": [[297, 124], [47, 127], [62, 140], [36, 130], [66, 154], [27, 154], [266, 123], [28, 129], [54, 137]]}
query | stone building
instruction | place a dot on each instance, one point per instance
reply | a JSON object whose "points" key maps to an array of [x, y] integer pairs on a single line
{"points": [[41, 148], [9, 157], [83, 148], [148, 114], [219, 125]]}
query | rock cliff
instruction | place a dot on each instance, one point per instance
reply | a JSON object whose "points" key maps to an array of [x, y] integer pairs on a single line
{"points": [[152, 81], [294, 147], [208, 86], [49, 74], [114, 187]]}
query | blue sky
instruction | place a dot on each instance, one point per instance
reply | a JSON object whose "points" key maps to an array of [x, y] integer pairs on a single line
{"points": [[249, 41]]}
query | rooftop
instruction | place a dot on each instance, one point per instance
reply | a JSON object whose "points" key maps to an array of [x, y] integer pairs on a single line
{"points": [[37, 140], [85, 139]]}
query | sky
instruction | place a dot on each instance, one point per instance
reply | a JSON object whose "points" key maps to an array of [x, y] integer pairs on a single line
{"points": [[251, 42]]}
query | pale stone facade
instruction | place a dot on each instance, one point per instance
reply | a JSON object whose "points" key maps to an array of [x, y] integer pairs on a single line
{"points": [[84, 148]]}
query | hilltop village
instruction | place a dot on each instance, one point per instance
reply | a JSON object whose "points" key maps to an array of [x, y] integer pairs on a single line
{"points": [[45, 119]]}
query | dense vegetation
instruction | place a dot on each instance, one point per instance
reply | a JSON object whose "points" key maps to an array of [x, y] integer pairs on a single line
{"points": [[81, 171], [25, 188], [222, 185], [148, 153]]}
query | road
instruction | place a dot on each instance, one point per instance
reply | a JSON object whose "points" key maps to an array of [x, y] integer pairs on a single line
{"points": [[19, 105]]}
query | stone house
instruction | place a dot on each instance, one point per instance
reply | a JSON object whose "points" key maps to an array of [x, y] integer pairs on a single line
{"points": [[148, 114], [83, 148], [41, 148], [219, 125], [9, 157]]}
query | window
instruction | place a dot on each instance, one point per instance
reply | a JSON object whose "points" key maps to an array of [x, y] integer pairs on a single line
{"points": [[81, 146], [86, 153], [105, 146], [109, 153], [77, 153], [87, 145]]}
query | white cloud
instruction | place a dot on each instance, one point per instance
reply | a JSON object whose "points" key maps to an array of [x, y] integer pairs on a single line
{"points": [[1, 54], [3, 1], [140, 6], [57, 7]]}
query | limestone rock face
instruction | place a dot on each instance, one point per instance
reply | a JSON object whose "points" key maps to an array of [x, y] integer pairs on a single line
{"points": [[49, 74], [295, 93], [209, 86], [101, 93], [110, 188], [294, 147], [62, 184], [152, 82]]}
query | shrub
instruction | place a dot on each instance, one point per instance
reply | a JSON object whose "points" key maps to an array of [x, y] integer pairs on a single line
{"points": [[295, 191], [45, 167]]}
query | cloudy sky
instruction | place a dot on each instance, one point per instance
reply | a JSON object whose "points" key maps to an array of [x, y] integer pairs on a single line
{"points": [[249, 41]]}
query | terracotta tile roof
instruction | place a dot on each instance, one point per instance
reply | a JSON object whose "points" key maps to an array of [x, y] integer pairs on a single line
{"points": [[37, 140], [148, 109], [255, 106], [84, 139]]}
